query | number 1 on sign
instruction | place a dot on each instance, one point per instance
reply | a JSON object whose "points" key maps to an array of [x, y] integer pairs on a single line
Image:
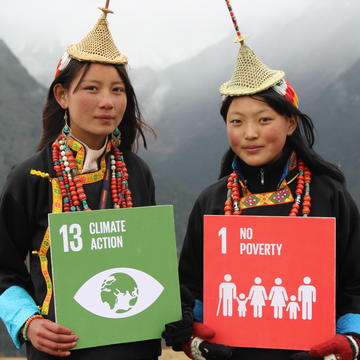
{"points": [[222, 234]]}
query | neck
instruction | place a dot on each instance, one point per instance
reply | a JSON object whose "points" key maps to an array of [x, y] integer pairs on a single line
{"points": [[263, 178], [93, 143]]}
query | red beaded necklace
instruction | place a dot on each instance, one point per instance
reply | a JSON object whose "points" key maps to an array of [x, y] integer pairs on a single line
{"points": [[232, 203], [71, 183]]}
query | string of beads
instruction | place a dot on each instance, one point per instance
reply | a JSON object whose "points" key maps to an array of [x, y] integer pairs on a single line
{"points": [[27, 324], [232, 203], [73, 194]]}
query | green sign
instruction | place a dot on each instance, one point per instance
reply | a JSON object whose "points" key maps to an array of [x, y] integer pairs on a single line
{"points": [[115, 273]]}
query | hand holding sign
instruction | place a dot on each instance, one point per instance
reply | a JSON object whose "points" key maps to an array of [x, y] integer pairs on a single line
{"points": [[178, 332], [344, 347], [198, 348], [51, 338]]}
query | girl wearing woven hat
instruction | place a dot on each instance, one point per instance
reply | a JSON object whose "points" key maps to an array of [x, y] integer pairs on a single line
{"points": [[271, 169], [91, 124]]}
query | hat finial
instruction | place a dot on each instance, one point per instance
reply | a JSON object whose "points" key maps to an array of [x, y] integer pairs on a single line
{"points": [[106, 9], [240, 38], [250, 75]]}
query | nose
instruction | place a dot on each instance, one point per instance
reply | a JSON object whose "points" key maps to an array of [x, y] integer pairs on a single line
{"points": [[250, 131], [106, 100]]}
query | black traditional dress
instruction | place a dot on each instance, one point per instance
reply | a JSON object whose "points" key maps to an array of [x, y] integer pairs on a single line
{"points": [[329, 198], [29, 195]]}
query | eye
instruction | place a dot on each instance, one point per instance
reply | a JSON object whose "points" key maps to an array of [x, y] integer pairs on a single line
{"points": [[118, 293], [235, 121], [90, 88], [264, 120], [119, 89]]}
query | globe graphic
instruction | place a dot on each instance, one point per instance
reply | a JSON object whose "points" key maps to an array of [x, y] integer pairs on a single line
{"points": [[120, 292]]}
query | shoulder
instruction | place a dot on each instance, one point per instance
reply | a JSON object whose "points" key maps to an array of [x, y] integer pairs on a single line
{"points": [[217, 187], [38, 161], [325, 184], [330, 193], [211, 200], [32, 170], [133, 160]]}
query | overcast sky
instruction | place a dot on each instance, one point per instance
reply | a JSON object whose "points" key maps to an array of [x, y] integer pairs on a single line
{"points": [[156, 33]]}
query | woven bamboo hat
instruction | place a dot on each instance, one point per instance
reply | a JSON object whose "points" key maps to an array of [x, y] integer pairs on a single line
{"points": [[97, 46], [251, 75]]}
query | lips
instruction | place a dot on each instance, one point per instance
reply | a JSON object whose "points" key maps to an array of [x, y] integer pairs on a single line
{"points": [[252, 148], [105, 117]]}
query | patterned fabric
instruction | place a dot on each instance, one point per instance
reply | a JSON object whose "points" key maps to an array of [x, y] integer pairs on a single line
{"points": [[80, 158], [57, 208], [281, 196], [45, 246], [284, 88]]}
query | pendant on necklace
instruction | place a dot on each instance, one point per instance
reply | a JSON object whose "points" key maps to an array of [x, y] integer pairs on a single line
{"points": [[262, 177]]}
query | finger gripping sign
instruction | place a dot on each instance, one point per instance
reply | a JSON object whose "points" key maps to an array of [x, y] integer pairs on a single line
{"points": [[269, 275], [115, 273]]}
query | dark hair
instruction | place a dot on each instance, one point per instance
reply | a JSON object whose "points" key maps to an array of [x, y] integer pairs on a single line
{"points": [[132, 126], [302, 139]]}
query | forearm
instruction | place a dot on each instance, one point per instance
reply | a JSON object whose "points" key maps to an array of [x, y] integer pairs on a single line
{"points": [[16, 306]]}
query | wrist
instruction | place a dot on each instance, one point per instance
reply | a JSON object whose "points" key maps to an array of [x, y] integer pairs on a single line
{"points": [[24, 329], [191, 348], [354, 343]]}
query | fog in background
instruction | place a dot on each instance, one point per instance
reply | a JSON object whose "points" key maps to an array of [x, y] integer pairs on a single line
{"points": [[152, 33]]}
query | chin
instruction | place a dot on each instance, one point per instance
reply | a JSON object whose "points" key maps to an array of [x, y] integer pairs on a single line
{"points": [[253, 161], [104, 132]]}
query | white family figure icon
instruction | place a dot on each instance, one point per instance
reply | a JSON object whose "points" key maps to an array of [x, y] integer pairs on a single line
{"points": [[278, 298], [227, 292], [307, 295], [293, 307], [257, 296], [242, 300]]}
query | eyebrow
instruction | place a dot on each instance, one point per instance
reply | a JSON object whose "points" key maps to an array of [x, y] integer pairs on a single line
{"points": [[240, 113], [99, 82]]}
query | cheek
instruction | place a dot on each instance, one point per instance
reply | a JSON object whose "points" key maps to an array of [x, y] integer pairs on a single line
{"points": [[233, 138], [80, 104], [275, 136], [121, 105], [86, 102]]}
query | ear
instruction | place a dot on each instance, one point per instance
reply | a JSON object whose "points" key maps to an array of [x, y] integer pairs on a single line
{"points": [[292, 124], [60, 94]]}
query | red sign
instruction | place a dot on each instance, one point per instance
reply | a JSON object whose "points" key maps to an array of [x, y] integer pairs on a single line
{"points": [[269, 282]]}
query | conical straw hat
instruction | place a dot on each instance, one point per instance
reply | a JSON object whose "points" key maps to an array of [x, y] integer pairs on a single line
{"points": [[250, 75], [98, 45]]}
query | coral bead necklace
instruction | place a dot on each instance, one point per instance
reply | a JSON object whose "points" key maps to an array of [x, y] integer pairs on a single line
{"points": [[232, 203], [71, 184]]}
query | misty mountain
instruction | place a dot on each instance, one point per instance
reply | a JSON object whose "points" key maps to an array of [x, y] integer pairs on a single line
{"points": [[191, 133], [337, 112], [182, 103], [41, 56], [21, 101]]}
